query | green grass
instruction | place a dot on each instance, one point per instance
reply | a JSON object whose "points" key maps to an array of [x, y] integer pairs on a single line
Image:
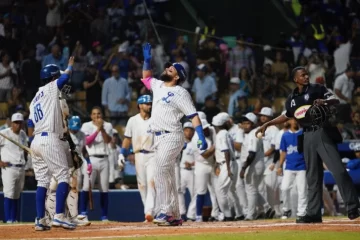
{"points": [[285, 235]]}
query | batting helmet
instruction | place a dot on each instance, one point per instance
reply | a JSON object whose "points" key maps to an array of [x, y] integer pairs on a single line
{"points": [[49, 72], [144, 99], [74, 123]]}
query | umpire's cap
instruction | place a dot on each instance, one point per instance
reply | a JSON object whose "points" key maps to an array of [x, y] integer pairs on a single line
{"points": [[48, 72], [74, 123], [144, 99]]}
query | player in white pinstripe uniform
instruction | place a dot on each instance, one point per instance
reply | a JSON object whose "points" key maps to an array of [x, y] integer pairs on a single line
{"points": [[98, 136], [48, 146], [12, 163], [136, 135], [171, 102]]}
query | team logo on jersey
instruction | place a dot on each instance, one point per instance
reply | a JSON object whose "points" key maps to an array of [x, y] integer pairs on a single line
{"points": [[306, 97], [166, 99], [291, 149], [292, 104], [301, 111]]}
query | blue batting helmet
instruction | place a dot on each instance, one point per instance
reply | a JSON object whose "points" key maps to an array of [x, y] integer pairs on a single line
{"points": [[49, 71], [144, 99], [74, 123]]}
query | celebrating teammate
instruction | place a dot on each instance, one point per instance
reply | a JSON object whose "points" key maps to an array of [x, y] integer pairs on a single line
{"points": [[171, 102], [98, 135], [12, 163], [48, 145], [136, 135]]}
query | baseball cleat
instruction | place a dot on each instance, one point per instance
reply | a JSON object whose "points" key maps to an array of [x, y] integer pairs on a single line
{"points": [[270, 213], [172, 222], [240, 218], [61, 221], [286, 215], [148, 217], [104, 219], [308, 219], [353, 214], [41, 225], [81, 220], [199, 219], [162, 218]]}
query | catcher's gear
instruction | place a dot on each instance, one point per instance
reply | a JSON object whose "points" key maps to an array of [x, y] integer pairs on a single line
{"points": [[319, 114]]}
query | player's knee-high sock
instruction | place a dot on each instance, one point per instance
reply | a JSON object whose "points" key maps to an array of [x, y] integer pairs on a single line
{"points": [[200, 199], [84, 199], [40, 202], [104, 200], [61, 195], [7, 209], [14, 209]]}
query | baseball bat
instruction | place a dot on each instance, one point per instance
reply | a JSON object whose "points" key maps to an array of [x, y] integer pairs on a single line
{"points": [[18, 144], [91, 206]]}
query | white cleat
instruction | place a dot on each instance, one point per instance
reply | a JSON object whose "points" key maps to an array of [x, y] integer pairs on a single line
{"points": [[81, 220], [61, 221], [198, 219], [41, 224]]}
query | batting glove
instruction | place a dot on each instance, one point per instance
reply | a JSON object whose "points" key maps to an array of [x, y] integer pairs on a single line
{"points": [[147, 52], [202, 144], [89, 169], [121, 162]]}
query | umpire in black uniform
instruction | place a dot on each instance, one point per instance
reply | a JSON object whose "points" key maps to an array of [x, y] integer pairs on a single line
{"points": [[311, 105]]}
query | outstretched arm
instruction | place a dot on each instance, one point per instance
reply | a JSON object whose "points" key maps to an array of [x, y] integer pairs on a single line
{"points": [[147, 73], [64, 78]]}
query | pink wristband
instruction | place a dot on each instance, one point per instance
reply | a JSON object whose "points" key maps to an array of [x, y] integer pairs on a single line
{"points": [[90, 139], [147, 82]]}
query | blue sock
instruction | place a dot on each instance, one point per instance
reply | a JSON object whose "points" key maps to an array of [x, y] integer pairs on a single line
{"points": [[84, 199], [104, 200], [200, 199], [14, 209], [40, 202], [7, 209], [61, 195]]}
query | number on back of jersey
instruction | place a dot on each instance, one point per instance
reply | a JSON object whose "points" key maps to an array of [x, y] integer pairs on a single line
{"points": [[38, 113]]}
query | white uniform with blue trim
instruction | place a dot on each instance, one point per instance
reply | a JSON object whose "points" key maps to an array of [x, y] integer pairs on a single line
{"points": [[170, 104]]}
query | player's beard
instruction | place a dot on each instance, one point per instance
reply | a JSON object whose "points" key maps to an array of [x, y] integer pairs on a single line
{"points": [[165, 77]]}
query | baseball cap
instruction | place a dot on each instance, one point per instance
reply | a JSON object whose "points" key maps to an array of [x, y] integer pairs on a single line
{"points": [[188, 125], [201, 67], [16, 117], [266, 111], [283, 112], [235, 80], [202, 115], [180, 71], [204, 123], [220, 119], [249, 117], [95, 44]]}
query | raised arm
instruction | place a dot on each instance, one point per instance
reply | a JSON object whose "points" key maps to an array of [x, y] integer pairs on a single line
{"points": [[64, 78], [147, 73]]}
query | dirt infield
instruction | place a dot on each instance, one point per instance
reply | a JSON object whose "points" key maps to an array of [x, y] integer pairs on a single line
{"points": [[118, 229]]}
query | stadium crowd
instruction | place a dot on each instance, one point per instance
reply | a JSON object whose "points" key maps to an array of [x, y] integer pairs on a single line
{"points": [[106, 38]]}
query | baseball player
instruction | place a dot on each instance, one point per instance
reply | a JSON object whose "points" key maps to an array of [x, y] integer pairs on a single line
{"points": [[136, 134], [253, 166], [202, 172], [12, 163], [187, 163], [225, 158], [171, 102], [98, 136], [294, 172], [48, 145], [270, 190]]}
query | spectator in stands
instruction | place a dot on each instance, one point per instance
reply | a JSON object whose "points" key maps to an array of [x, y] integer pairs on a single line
{"points": [[297, 44], [92, 85], [204, 85], [53, 16], [354, 127], [8, 76], [236, 92], [10, 44], [242, 108], [241, 56], [30, 73], [316, 67], [121, 59], [115, 14], [100, 27], [302, 60], [180, 58], [17, 102], [343, 89], [264, 85], [180, 46], [66, 47], [210, 108], [341, 55], [245, 81], [55, 57], [79, 67], [116, 97], [95, 54], [280, 69], [129, 29], [210, 56]]}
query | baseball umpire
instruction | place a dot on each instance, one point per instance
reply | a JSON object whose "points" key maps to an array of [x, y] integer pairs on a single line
{"points": [[311, 105]]}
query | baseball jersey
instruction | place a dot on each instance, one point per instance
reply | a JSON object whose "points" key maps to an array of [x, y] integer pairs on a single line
{"points": [[236, 135], [137, 130], [187, 155], [79, 140], [197, 153], [294, 160], [98, 147], [251, 144], [9, 151], [269, 141], [45, 110], [169, 105], [223, 143]]}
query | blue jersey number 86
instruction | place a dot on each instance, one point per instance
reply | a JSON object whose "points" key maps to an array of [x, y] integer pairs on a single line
{"points": [[38, 114]]}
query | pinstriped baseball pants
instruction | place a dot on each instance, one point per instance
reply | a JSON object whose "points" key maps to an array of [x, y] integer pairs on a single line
{"points": [[50, 159], [167, 148]]}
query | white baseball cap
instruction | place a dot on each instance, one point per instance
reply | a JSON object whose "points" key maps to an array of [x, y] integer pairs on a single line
{"points": [[249, 117], [16, 117], [188, 125], [283, 112], [202, 115], [205, 123], [220, 119], [235, 80], [266, 111]]}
